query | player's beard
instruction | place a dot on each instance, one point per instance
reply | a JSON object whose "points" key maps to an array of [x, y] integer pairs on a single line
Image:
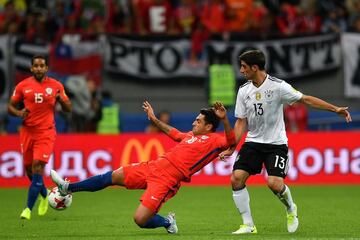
{"points": [[39, 76]]}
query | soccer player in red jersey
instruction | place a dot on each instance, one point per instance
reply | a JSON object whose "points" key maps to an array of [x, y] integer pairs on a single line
{"points": [[161, 178], [39, 95]]}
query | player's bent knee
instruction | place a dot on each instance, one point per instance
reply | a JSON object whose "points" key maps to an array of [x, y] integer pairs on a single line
{"points": [[238, 179], [140, 220], [38, 167], [117, 177], [237, 183]]}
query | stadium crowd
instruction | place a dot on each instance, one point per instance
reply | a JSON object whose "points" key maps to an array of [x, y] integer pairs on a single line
{"points": [[48, 20]]}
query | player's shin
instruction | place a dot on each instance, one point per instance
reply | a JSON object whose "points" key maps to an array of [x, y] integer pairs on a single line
{"points": [[156, 221], [92, 184], [286, 198], [242, 201], [34, 190], [43, 191]]}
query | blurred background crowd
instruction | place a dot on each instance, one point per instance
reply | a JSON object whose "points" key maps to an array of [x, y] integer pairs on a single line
{"points": [[48, 20]]}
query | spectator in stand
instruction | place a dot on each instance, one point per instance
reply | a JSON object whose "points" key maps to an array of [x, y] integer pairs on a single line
{"points": [[296, 117], [262, 22], [311, 20], [96, 26], [213, 16], [20, 6], [71, 27], [37, 29], [198, 37], [27, 27], [119, 17], [91, 10], [211, 21], [10, 19], [334, 22], [44, 34], [163, 116], [37, 6], [334, 15], [59, 12], [326, 6], [185, 16], [237, 15], [289, 19]]}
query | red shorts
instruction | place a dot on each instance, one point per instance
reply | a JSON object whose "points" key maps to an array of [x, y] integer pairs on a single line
{"points": [[160, 179], [36, 144]]}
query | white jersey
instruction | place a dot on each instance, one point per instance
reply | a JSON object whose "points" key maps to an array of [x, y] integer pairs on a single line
{"points": [[263, 109]]}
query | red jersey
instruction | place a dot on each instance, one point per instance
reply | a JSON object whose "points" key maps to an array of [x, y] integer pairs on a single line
{"points": [[39, 99], [195, 152]]}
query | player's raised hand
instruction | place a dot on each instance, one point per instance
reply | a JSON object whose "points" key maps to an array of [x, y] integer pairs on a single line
{"points": [[149, 110], [343, 112], [220, 110]]}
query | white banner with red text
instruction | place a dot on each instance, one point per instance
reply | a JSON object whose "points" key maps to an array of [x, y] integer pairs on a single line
{"points": [[314, 158]]}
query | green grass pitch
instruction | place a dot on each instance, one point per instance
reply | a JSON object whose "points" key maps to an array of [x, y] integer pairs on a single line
{"points": [[325, 212]]}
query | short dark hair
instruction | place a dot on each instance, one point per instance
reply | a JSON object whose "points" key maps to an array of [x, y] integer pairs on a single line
{"points": [[210, 117], [253, 57], [39, 57]]}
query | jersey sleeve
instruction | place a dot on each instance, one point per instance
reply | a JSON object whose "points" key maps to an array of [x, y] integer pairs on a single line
{"points": [[240, 110], [225, 141], [18, 93], [176, 134], [289, 94], [63, 95]]}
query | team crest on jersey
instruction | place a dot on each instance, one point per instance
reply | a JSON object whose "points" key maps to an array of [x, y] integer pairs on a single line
{"points": [[269, 94], [204, 137], [48, 91], [258, 96]]}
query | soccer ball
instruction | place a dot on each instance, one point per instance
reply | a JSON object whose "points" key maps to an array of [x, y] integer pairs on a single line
{"points": [[58, 202]]}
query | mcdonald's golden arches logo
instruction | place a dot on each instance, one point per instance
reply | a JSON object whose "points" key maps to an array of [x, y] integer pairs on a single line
{"points": [[143, 151]]}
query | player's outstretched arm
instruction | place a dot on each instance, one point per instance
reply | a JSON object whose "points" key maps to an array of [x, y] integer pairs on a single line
{"points": [[240, 129], [220, 111], [152, 117], [323, 105]]}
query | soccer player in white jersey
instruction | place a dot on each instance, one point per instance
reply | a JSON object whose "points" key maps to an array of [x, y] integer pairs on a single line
{"points": [[259, 112]]}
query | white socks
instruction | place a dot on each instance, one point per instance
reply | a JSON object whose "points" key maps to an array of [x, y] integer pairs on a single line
{"points": [[242, 202], [286, 199]]}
